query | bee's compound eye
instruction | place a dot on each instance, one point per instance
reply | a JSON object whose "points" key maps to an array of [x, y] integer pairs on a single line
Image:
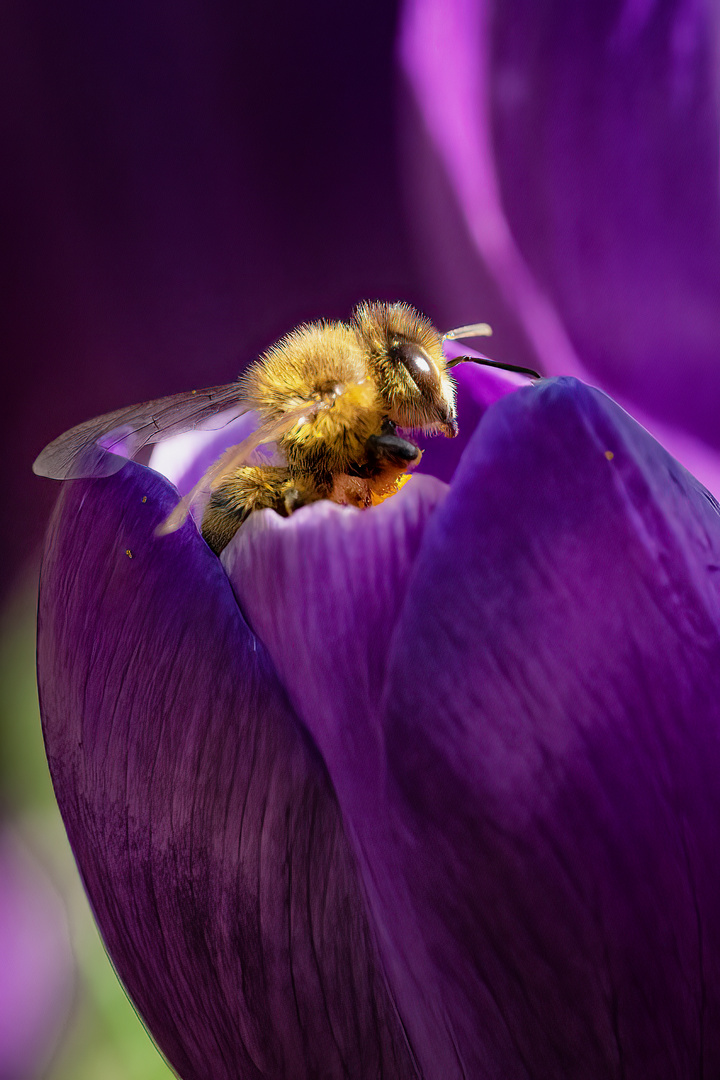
{"points": [[421, 369]]}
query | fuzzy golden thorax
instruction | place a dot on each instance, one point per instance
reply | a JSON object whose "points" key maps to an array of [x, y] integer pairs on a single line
{"points": [[312, 361], [324, 366]]}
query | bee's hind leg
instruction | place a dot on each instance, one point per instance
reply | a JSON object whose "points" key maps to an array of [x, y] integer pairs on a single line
{"points": [[248, 489]]}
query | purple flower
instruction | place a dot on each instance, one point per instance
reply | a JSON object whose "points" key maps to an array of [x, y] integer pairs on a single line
{"points": [[426, 790], [564, 183], [36, 969]]}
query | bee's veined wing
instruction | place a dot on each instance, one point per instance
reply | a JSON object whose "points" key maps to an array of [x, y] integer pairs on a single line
{"points": [[236, 456], [87, 450]]}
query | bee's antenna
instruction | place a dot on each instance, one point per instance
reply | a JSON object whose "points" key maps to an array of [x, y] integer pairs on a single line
{"points": [[478, 329], [487, 362]]}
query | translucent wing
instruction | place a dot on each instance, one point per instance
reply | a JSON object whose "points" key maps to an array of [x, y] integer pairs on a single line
{"points": [[87, 450], [236, 456]]}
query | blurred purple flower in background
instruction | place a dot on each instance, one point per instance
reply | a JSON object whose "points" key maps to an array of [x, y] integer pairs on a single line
{"points": [[565, 175], [36, 966]]}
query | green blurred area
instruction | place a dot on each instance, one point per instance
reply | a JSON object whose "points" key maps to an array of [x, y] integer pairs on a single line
{"points": [[104, 1040]]}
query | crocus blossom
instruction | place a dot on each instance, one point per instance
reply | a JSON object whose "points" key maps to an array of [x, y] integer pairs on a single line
{"points": [[424, 790]]}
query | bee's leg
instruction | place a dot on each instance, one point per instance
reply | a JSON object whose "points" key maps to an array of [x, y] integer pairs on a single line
{"points": [[253, 488], [389, 456], [300, 489]]}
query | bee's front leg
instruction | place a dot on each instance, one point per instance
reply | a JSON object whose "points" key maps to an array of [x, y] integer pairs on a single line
{"points": [[389, 456], [254, 488]]}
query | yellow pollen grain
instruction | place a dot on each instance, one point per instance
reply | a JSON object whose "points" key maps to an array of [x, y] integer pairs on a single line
{"points": [[144, 498], [128, 552], [401, 481], [609, 455]]}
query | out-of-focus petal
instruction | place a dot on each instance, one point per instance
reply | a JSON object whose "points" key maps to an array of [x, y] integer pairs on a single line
{"points": [[540, 847], [443, 52], [36, 965], [606, 130], [565, 166], [202, 818]]}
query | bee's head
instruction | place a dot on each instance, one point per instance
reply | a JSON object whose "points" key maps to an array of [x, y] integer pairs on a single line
{"points": [[405, 357]]}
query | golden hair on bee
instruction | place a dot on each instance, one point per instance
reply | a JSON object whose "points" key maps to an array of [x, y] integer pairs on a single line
{"points": [[322, 369], [405, 353], [339, 401]]}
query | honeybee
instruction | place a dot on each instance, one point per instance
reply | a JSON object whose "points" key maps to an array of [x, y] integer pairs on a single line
{"points": [[339, 400]]}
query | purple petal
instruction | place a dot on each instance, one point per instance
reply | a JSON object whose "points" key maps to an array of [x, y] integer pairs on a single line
{"points": [[323, 590], [202, 819], [542, 854], [565, 172], [443, 52], [36, 966], [606, 148]]}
